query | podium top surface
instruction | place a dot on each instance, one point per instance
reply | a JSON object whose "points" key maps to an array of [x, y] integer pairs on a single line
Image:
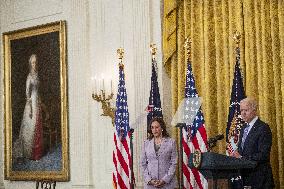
{"points": [[215, 161]]}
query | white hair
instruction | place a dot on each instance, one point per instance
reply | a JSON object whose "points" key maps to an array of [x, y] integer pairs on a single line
{"points": [[251, 102]]}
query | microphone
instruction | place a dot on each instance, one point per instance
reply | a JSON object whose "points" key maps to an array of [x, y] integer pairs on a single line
{"points": [[213, 140], [181, 125], [131, 130]]}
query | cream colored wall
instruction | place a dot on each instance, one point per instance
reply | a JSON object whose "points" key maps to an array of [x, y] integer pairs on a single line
{"points": [[95, 29]]}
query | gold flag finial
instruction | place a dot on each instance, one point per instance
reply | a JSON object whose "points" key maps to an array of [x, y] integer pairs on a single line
{"points": [[120, 54], [153, 49], [237, 38], [187, 46]]}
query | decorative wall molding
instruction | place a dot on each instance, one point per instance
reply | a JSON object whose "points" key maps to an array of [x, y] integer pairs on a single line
{"points": [[23, 11]]}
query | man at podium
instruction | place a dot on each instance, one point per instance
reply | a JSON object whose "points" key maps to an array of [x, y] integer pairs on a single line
{"points": [[255, 144]]}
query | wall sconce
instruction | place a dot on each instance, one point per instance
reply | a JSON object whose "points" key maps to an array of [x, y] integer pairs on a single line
{"points": [[104, 98]]}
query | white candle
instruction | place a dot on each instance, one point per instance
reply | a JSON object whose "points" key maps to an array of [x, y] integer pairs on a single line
{"points": [[96, 86], [99, 86], [104, 85], [93, 84], [111, 86]]}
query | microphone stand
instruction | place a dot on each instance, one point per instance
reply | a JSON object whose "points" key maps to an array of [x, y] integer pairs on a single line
{"points": [[132, 182], [180, 126]]}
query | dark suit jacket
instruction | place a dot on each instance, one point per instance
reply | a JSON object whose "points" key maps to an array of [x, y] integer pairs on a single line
{"points": [[257, 147]]}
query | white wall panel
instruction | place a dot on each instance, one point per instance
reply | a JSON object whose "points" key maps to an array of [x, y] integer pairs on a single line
{"points": [[24, 10], [95, 29], [79, 92]]}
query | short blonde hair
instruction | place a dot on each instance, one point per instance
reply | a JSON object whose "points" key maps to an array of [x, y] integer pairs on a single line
{"points": [[251, 102]]}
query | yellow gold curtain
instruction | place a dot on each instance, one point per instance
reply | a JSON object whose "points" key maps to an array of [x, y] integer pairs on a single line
{"points": [[211, 24]]}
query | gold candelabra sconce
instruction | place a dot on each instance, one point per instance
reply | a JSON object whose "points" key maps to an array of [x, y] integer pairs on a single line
{"points": [[102, 95], [105, 100]]}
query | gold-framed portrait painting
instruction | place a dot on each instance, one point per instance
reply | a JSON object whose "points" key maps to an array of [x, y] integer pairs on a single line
{"points": [[35, 103]]}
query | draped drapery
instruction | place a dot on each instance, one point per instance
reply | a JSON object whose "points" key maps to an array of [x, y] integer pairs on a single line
{"points": [[211, 25]]}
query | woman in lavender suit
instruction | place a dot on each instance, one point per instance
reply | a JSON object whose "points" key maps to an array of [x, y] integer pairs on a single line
{"points": [[159, 158]]}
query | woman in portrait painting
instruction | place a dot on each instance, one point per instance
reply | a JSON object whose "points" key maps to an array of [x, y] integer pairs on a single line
{"points": [[31, 131]]}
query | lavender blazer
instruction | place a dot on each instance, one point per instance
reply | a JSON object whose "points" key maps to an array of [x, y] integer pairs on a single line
{"points": [[161, 166]]}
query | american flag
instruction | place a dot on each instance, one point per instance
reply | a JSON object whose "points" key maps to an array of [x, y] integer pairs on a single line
{"points": [[122, 160], [154, 108], [194, 137], [235, 122]]}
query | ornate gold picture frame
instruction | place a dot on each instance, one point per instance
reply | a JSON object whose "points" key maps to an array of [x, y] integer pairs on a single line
{"points": [[35, 103]]}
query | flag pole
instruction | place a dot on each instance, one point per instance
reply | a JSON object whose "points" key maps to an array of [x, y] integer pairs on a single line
{"points": [[153, 49], [237, 38], [120, 53]]}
